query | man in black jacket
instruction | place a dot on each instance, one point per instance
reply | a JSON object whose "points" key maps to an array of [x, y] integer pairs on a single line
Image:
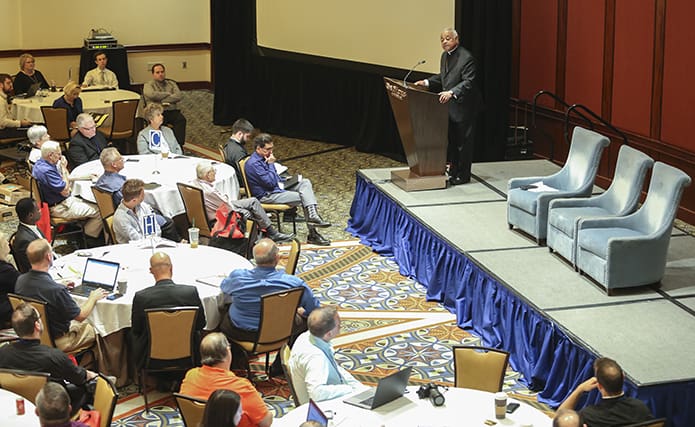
{"points": [[29, 214], [87, 143]]}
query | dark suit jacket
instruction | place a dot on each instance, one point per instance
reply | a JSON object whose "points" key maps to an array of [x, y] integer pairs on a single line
{"points": [[83, 150], [22, 239], [458, 74], [164, 293]]}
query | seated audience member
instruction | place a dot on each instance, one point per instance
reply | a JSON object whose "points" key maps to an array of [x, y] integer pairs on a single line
{"points": [[37, 135], [86, 145], [223, 409], [567, 418], [65, 318], [28, 75], [54, 182], [315, 373], [29, 214], [264, 183], [235, 150], [215, 375], [166, 92], [248, 208], [111, 180], [614, 409], [28, 354], [164, 140], [165, 293], [245, 287], [71, 102], [100, 76], [127, 220], [53, 407], [8, 124], [8, 279]]}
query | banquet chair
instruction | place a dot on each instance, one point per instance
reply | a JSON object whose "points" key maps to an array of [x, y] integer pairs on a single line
{"points": [[106, 207], [46, 338], [631, 251], [657, 422], [479, 368], [56, 121], [275, 326], [272, 208], [194, 202], [285, 354], [293, 257], [122, 123], [24, 383], [108, 228], [105, 398], [191, 409], [59, 223], [172, 338], [528, 210], [620, 199]]}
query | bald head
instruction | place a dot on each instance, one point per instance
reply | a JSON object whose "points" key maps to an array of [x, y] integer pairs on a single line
{"points": [[160, 266], [265, 253], [567, 418]]}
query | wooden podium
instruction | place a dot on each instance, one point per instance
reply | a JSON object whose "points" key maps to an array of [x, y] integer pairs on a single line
{"points": [[423, 124]]}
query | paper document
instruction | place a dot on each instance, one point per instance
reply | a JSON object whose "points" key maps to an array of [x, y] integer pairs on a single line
{"points": [[540, 187]]}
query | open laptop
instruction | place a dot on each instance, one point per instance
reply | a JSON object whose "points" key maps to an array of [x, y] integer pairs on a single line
{"points": [[98, 273], [389, 388], [30, 92], [314, 413]]}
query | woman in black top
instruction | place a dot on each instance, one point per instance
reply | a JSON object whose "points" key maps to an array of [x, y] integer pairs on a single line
{"points": [[28, 75]]}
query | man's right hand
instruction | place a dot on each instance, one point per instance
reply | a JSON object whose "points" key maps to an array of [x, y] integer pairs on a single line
{"points": [[421, 83], [270, 159], [588, 385], [97, 294]]}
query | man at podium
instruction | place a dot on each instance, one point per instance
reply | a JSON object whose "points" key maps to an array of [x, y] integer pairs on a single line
{"points": [[456, 86]]}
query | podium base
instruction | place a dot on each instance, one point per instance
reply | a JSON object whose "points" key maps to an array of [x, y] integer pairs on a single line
{"points": [[410, 181]]}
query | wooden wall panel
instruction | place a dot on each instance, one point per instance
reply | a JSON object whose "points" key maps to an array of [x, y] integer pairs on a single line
{"points": [[632, 65], [678, 102], [537, 56], [584, 64]]}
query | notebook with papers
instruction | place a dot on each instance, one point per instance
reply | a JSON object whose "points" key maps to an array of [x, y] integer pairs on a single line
{"points": [[98, 273], [388, 389]]}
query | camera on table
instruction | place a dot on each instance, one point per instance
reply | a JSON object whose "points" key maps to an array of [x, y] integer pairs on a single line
{"points": [[431, 390]]}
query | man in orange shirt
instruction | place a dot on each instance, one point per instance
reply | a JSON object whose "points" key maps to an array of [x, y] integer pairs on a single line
{"points": [[215, 374]]}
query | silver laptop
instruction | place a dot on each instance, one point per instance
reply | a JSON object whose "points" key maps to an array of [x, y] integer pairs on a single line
{"points": [[98, 273], [388, 389]]}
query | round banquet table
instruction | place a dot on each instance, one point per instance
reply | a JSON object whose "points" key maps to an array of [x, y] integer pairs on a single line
{"points": [[462, 407], [8, 411], [92, 102], [174, 169], [203, 267]]}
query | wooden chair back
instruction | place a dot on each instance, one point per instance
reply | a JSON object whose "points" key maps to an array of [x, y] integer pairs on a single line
{"points": [[40, 306], [479, 368], [23, 383], [194, 202], [104, 201], [105, 398], [293, 257], [191, 409], [285, 354], [56, 121]]}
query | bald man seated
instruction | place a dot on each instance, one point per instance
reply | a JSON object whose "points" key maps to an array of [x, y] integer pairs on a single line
{"points": [[163, 294]]}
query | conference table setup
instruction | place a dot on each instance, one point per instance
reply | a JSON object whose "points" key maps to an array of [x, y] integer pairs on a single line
{"points": [[8, 411], [203, 267], [462, 406], [99, 101], [160, 176]]}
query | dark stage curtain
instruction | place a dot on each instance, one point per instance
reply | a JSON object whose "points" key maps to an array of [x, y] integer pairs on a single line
{"points": [[340, 103]]}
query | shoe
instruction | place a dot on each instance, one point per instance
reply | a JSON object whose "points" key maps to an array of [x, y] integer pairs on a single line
{"points": [[316, 239], [276, 370], [274, 235], [313, 217], [457, 180]]}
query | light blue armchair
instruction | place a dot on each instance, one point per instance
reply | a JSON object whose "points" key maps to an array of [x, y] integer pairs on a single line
{"points": [[620, 199], [528, 210], [631, 250]]}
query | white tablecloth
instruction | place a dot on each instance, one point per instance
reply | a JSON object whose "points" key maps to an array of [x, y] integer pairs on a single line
{"points": [[463, 407], [190, 266], [92, 102], [172, 170], [8, 411]]}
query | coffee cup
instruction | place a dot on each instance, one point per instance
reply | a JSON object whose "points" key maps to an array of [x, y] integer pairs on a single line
{"points": [[122, 286], [500, 405]]}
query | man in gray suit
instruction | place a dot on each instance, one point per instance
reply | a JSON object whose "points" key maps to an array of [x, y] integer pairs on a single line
{"points": [[456, 86]]}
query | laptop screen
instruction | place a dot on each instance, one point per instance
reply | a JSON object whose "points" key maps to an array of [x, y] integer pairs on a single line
{"points": [[101, 273], [314, 413]]}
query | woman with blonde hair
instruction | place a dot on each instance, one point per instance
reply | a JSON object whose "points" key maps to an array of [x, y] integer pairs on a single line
{"points": [[28, 75], [156, 138], [70, 101]]}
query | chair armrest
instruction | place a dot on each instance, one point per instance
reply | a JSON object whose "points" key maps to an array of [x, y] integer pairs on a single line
{"points": [[575, 202], [518, 182], [603, 222]]}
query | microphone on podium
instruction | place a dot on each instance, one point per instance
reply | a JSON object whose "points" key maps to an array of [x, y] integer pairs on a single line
{"points": [[420, 62]]}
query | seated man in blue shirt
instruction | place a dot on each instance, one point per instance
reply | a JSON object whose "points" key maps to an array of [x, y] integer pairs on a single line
{"points": [[245, 287], [264, 183], [52, 177]]}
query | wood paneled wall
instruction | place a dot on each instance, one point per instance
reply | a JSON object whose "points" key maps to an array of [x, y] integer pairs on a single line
{"points": [[630, 61]]}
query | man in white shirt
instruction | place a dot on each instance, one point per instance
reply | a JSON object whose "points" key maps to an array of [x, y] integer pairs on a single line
{"points": [[315, 373], [8, 124], [100, 76], [127, 220]]}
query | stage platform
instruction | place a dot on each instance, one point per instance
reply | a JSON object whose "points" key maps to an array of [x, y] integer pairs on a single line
{"points": [[456, 242]]}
